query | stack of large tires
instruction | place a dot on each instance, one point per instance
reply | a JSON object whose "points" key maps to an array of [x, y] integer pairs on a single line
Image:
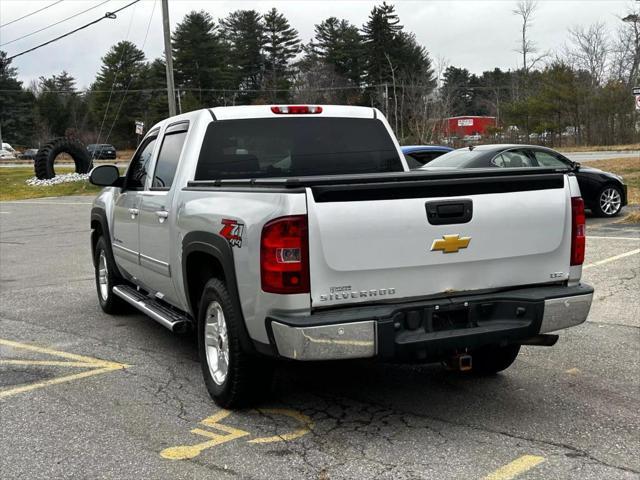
{"points": [[47, 154]]}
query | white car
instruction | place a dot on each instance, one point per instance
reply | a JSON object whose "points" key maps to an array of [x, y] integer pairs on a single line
{"points": [[7, 151]]}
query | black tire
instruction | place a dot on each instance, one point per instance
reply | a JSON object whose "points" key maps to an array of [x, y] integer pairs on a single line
{"points": [[603, 209], [109, 302], [45, 158], [248, 377], [493, 359]]}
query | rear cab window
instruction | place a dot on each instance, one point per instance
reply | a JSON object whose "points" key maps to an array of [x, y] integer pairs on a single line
{"points": [[303, 146]]}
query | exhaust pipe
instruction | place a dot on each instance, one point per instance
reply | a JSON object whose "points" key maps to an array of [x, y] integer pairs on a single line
{"points": [[542, 340]]}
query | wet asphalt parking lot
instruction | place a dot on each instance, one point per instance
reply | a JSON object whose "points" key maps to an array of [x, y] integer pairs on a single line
{"points": [[87, 395]]}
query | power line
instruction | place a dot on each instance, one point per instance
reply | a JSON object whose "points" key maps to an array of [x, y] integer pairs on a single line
{"points": [[29, 14], [144, 42], [53, 24], [115, 78], [110, 15]]}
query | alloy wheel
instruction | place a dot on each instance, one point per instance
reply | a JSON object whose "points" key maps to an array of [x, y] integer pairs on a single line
{"points": [[610, 201], [103, 276], [216, 343]]}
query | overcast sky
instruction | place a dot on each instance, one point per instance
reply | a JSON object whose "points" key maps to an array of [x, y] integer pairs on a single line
{"points": [[475, 34]]}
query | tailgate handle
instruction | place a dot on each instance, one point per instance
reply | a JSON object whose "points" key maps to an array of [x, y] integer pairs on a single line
{"points": [[449, 212]]}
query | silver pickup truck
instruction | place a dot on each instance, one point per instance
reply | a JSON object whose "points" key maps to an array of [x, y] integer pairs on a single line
{"points": [[298, 232]]}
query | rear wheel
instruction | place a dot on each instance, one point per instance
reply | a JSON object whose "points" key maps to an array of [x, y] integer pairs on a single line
{"points": [[233, 377], [493, 359], [609, 202]]}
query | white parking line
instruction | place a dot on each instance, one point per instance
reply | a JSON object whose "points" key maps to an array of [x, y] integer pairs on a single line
{"points": [[611, 259], [46, 203], [637, 239]]}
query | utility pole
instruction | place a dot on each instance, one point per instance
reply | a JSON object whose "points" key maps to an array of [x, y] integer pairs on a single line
{"points": [[171, 89]]}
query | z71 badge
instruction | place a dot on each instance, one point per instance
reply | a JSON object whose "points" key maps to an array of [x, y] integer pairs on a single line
{"points": [[232, 231]]}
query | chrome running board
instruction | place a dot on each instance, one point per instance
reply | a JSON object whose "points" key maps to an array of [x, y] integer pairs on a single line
{"points": [[166, 317]]}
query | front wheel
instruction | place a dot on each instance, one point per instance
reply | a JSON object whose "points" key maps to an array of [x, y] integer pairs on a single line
{"points": [[493, 359], [106, 279], [609, 202], [233, 377]]}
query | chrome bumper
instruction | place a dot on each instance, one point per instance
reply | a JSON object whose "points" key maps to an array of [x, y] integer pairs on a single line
{"points": [[354, 334], [565, 312], [327, 342]]}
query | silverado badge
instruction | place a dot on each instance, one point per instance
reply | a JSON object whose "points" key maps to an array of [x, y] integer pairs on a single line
{"points": [[450, 243]]}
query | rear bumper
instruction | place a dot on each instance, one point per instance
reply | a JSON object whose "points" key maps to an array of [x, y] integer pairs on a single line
{"points": [[430, 330]]}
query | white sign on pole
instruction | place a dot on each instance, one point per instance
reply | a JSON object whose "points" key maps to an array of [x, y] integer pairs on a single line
{"points": [[139, 128]]}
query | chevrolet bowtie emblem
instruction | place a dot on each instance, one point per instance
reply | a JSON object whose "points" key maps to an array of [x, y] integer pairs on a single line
{"points": [[450, 243]]}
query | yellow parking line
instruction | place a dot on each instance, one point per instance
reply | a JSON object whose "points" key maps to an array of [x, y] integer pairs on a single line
{"points": [[58, 353], [54, 381], [515, 468], [611, 259], [48, 363], [300, 417], [95, 365]]}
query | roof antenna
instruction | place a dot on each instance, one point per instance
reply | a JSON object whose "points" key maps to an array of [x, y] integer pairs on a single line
{"points": [[470, 147]]}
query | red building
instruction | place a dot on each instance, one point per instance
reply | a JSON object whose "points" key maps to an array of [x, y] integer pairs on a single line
{"points": [[467, 125]]}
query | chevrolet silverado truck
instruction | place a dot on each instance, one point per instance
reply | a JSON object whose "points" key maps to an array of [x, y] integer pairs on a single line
{"points": [[298, 232]]}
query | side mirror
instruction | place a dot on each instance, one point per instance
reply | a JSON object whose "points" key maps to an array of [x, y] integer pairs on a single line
{"points": [[106, 176], [576, 166]]}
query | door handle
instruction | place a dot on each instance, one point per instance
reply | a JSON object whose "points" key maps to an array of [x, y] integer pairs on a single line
{"points": [[133, 212], [162, 215]]}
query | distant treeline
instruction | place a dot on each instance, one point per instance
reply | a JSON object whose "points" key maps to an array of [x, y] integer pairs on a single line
{"points": [[580, 93]]}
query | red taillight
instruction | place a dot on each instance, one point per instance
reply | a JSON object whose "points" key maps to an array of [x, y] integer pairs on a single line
{"points": [[284, 255], [578, 232], [296, 109]]}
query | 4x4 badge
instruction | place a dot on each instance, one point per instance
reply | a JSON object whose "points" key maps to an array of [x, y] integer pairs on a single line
{"points": [[450, 243]]}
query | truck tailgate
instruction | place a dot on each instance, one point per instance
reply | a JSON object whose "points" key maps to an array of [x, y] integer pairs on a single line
{"points": [[374, 242]]}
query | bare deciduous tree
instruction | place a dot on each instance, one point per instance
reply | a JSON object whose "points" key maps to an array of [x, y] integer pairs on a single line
{"points": [[589, 50], [626, 48], [525, 10]]}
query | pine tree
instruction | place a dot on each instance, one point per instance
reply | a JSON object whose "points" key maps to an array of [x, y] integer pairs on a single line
{"points": [[155, 99], [339, 43], [381, 41], [199, 61], [243, 33], [457, 91], [281, 45], [123, 71], [60, 108], [16, 106]]}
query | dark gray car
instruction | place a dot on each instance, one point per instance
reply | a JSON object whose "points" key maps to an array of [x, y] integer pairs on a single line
{"points": [[604, 193]]}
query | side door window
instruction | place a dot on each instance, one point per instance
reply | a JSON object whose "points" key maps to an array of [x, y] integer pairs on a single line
{"points": [[547, 159], [139, 166], [170, 150]]}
